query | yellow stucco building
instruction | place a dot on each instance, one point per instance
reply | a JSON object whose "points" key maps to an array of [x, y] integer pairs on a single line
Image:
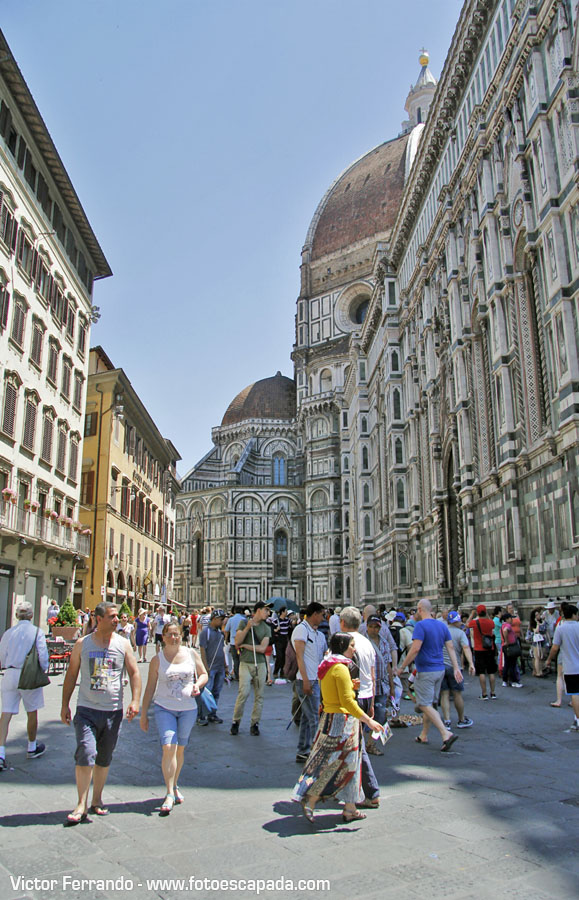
{"points": [[128, 489]]}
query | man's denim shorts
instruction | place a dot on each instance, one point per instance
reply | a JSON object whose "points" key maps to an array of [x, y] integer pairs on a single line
{"points": [[97, 731]]}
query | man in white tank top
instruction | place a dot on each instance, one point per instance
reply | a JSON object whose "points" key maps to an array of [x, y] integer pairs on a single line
{"points": [[101, 658]]}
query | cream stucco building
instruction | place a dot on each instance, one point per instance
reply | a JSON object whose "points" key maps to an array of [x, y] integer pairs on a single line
{"points": [[49, 260]]}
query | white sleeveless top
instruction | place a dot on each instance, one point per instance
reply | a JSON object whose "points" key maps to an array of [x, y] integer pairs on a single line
{"points": [[175, 683]]}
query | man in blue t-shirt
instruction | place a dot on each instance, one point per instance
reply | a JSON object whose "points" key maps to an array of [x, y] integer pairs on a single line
{"points": [[429, 638]]}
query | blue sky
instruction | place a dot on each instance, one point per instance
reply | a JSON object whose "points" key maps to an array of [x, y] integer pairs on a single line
{"points": [[200, 136]]}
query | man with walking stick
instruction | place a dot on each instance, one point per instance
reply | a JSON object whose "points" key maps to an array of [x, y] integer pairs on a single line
{"points": [[252, 639]]}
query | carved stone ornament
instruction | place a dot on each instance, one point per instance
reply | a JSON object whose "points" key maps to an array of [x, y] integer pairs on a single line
{"points": [[518, 213]]}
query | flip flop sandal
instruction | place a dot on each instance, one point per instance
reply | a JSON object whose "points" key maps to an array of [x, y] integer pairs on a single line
{"points": [[168, 804], [307, 811], [353, 817], [72, 820], [99, 811], [179, 798], [447, 744], [419, 740]]}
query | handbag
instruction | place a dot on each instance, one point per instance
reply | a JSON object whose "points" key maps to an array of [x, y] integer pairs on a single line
{"points": [[512, 650], [208, 702], [32, 675]]}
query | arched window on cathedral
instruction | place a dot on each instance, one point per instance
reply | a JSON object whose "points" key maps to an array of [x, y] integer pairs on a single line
{"points": [[346, 491], [364, 425], [395, 362], [396, 404], [197, 556], [337, 546], [403, 568], [400, 494], [366, 493], [280, 556], [575, 516], [368, 580], [279, 469], [366, 526], [365, 464], [347, 587], [325, 380], [398, 451]]}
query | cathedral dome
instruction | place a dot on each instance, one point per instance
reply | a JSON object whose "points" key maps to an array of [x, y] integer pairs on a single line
{"points": [[362, 202], [270, 398]]}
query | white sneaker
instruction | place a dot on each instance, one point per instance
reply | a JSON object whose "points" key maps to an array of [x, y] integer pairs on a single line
{"points": [[517, 684]]}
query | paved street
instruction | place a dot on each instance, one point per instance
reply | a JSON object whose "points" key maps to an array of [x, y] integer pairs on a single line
{"points": [[498, 817]]}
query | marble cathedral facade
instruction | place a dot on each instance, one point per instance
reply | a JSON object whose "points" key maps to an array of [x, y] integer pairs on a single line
{"points": [[435, 440]]}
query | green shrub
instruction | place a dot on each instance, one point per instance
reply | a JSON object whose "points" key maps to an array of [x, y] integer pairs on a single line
{"points": [[67, 614]]}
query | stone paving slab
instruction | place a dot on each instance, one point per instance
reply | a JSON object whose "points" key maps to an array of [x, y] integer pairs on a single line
{"points": [[486, 821]]}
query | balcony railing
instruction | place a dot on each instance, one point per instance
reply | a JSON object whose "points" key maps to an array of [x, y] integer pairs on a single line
{"points": [[30, 524]]}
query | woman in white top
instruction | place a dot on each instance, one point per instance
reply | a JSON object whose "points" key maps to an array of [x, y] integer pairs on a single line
{"points": [[176, 677], [126, 629]]}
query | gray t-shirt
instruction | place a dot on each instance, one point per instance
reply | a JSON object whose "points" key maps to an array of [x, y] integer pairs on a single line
{"points": [[212, 641], [459, 640], [101, 673], [567, 638]]}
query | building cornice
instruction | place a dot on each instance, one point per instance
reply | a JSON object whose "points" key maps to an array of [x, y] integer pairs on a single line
{"points": [[17, 86]]}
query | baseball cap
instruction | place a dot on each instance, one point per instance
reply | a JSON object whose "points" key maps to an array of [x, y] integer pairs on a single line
{"points": [[454, 616], [261, 605], [391, 616], [373, 620], [481, 608], [217, 614], [400, 617]]}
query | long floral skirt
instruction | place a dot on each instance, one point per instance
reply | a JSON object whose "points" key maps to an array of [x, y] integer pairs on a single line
{"points": [[334, 766]]}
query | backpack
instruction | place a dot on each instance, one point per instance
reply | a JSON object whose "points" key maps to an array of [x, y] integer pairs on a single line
{"points": [[395, 632]]}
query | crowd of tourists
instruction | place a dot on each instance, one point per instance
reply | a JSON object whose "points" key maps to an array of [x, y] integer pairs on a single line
{"points": [[350, 670]]}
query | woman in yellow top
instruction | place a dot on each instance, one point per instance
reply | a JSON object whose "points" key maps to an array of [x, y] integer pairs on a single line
{"points": [[334, 765]]}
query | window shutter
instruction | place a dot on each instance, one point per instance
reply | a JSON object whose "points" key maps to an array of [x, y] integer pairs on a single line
{"points": [[14, 235], [9, 416], [5, 120], [61, 450], [36, 348], [21, 152], [34, 270], [73, 459], [47, 439], [4, 306], [29, 424]]}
